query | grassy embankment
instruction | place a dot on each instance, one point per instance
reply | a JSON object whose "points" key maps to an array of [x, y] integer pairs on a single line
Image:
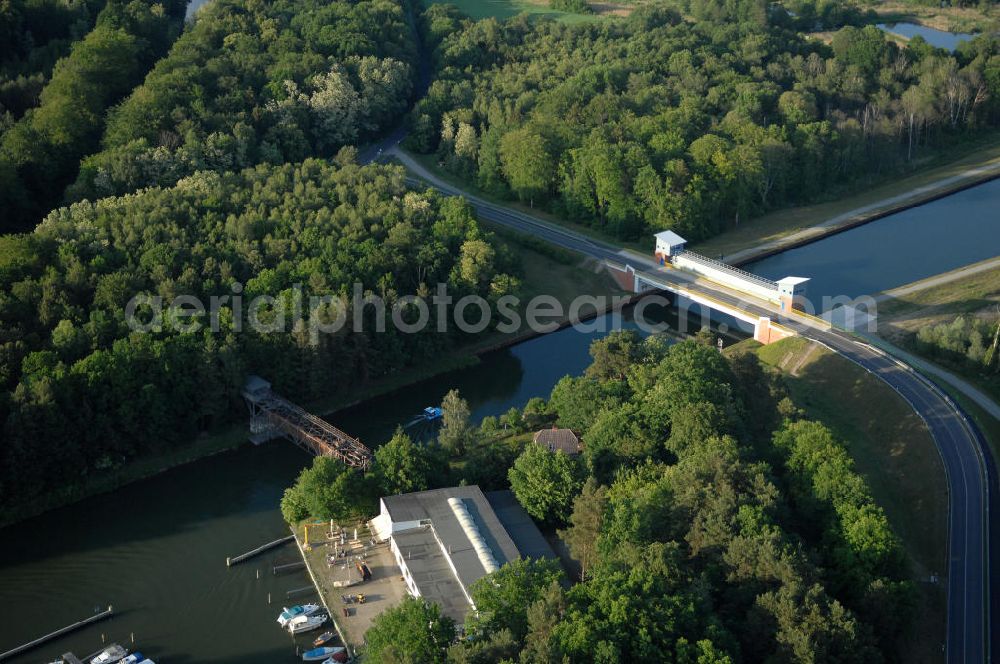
{"points": [[544, 271], [892, 449], [901, 317]]}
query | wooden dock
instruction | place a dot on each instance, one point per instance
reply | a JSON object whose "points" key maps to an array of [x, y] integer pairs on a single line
{"points": [[97, 617], [277, 569], [260, 549]]}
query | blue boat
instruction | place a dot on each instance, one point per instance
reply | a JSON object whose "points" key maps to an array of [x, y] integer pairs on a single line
{"points": [[337, 653]]}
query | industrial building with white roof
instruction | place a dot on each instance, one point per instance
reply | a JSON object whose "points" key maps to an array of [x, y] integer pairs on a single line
{"points": [[444, 540]]}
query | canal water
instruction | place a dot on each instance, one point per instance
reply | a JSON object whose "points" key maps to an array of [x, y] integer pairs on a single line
{"points": [[156, 549], [914, 244]]}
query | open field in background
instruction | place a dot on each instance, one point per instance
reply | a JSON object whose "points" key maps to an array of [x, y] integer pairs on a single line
{"points": [[892, 449], [974, 18], [501, 9]]}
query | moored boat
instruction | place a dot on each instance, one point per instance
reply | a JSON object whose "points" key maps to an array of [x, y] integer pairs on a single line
{"points": [[324, 638], [134, 658], [111, 654], [301, 624], [324, 654], [289, 614]]}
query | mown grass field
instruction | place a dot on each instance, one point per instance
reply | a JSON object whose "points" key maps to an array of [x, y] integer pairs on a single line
{"points": [[501, 9], [892, 449], [905, 315], [900, 319]]}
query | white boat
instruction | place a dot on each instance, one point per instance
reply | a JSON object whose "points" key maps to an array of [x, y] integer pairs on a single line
{"points": [[288, 614], [134, 658], [109, 655], [301, 624], [328, 653]]}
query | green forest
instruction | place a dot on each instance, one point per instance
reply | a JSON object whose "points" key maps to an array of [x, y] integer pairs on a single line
{"points": [[711, 522], [142, 154], [72, 371], [258, 82], [656, 121], [247, 83], [41, 151]]}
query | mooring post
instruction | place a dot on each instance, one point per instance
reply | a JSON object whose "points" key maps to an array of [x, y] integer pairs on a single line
{"points": [[227, 562], [269, 598]]}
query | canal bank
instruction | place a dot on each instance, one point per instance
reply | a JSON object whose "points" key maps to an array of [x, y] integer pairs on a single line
{"points": [[920, 242], [156, 549], [233, 435], [787, 228], [867, 214]]}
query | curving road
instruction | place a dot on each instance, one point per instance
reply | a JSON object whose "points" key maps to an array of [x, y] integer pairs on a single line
{"points": [[971, 473]]}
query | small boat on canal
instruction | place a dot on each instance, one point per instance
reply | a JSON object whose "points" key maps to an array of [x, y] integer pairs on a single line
{"points": [[289, 614], [336, 653], [110, 655], [301, 624]]}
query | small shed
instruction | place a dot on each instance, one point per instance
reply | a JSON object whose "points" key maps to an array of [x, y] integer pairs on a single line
{"points": [[791, 290], [558, 440], [668, 243]]}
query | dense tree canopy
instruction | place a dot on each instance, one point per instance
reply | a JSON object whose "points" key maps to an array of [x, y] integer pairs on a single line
{"points": [[328, 490], [34, 34], [413, 631], [745, 538], [72, 370], [658, 121], [254, 82], [40, 153], [545, 483]]}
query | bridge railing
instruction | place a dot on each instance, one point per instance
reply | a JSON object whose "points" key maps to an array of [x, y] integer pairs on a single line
{"points": [[313, 433], [743, 275]]}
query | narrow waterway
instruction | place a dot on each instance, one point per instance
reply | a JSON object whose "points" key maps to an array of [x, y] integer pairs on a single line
{"points": [[914, 244], [156, 550]]}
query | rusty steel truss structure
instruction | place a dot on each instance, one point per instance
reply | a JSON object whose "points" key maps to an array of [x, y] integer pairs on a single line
{"points": [[272, 416]]}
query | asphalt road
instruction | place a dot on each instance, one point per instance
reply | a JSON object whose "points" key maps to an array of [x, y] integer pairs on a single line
{"points": [[971, 473]]}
